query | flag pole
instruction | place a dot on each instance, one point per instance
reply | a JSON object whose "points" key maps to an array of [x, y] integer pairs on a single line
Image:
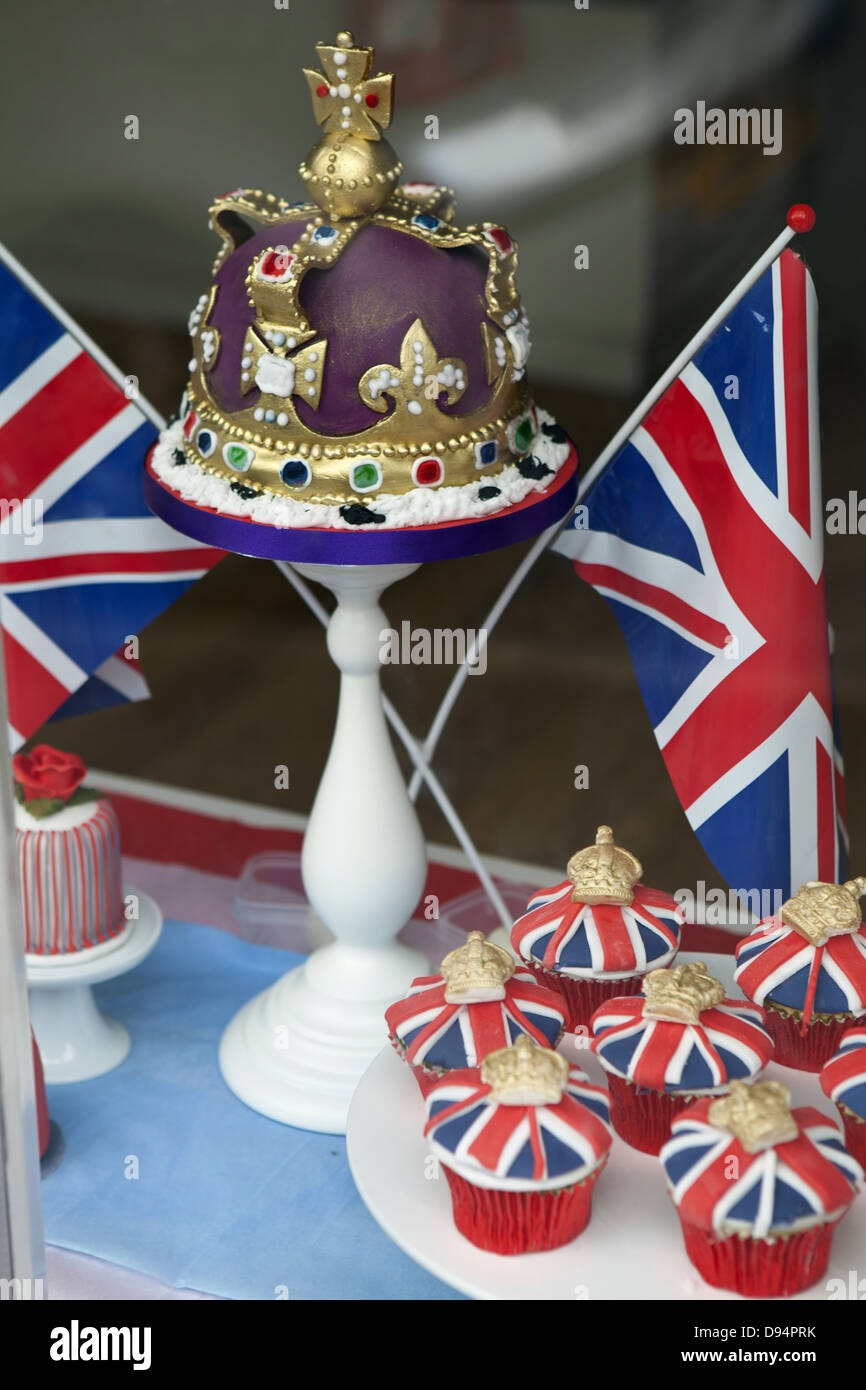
{"points": [[801, 218], [22, 1255]]}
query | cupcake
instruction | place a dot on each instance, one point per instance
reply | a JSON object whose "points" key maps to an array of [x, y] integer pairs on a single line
{"points": [[596, 935], [476, 1004], [843, 1079], [521, 1141], [759, 1188], [807, 967], [678, 1039]]}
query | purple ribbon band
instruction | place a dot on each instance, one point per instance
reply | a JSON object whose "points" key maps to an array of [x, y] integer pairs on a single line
{"points": [[325, 546]]}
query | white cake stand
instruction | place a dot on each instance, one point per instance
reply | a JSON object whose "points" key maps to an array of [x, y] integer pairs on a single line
{"points": [[632, 1247], [297, 1051], [75, 1040]]}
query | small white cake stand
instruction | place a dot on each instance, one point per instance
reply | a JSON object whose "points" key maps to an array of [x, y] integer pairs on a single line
{"points": [[297, 1051], [76, 1041]]}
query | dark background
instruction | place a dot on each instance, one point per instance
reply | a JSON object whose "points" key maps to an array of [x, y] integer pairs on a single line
{"points": [[561, 124]]}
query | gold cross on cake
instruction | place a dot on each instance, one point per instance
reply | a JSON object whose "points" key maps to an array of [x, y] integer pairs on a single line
{"points": [[344, 96]]}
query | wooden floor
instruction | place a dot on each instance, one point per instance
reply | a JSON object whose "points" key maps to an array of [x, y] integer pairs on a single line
{"points": [[241, 683]]}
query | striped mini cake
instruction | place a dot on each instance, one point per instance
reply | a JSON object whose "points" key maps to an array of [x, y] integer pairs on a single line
{"points": [[68, 841], [71, 885]]}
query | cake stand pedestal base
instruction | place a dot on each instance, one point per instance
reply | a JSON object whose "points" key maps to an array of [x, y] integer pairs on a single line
{"points": [[76, 1041], [297, 1051]]}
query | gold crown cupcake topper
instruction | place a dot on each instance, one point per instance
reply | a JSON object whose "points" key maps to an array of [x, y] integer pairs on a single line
{"points": [[525, 1074], [476, 972], [821, 910], [758, 1115], [680, 995], [352, 171], [604, 872]]}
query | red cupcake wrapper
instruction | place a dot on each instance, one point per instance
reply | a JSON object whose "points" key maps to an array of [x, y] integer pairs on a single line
{"points": [[425, 1078], [520, 1223], [581, 998], [643, 1118], [810, 1051], [760, 1268], [855, 1134]]}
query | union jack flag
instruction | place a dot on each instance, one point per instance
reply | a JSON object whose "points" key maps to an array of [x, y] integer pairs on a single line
{"points": [[83, 564], [810, 1176], [438, 1034], [730, 1043], [705, 535], [520, 1144], [598, 940], [843, 1078]]}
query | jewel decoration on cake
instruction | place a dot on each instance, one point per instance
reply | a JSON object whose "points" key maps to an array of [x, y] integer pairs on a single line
{"points": [[601, 920], [68, 847], [681, 994], [709, 1046], [478, 1003], [522, 1144], [843, 1077], [301, 350], [811, 958], [802, 1178], [525, 1074]]}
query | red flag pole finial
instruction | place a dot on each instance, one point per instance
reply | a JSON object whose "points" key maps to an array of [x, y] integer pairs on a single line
{"points": [[801, 217]]}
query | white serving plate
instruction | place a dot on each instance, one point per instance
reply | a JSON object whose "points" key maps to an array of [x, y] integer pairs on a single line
{"points": [[632, 1247]]}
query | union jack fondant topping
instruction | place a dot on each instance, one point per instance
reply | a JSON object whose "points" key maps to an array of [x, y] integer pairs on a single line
{"points": [[591, 940], [843, 1078], [793, 1184], [436, 1033], [518, 1146], [776, 964], [729, 1042]]}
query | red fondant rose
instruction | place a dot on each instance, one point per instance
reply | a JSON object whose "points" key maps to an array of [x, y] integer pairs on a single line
{"points": [[47, 774]]}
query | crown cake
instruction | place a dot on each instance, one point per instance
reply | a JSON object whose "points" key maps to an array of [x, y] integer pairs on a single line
{"points": [[360, 347]]}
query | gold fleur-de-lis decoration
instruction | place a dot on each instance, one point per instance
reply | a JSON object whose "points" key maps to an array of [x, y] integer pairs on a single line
{"points": [[418, 383], [344, 96]]}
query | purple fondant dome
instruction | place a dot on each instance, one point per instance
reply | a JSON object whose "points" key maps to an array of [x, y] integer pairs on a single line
{"points": [[364, 305]]}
